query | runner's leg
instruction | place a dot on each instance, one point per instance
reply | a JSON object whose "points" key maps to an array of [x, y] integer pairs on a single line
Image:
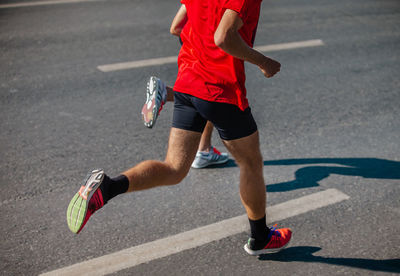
{"points": [[99, 188], [246, 152], [263, 240], [206, 154], [182, 149], [205, 142]]}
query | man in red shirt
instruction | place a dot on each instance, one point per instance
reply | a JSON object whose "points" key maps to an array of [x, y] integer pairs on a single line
{"points": [[217, 38], [157, 94]]}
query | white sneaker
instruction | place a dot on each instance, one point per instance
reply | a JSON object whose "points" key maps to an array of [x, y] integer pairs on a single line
{"points": [[156, 96], [213, 157]]}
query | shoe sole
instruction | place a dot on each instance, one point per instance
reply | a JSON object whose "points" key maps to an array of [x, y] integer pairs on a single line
{"points": [[78, 205], [264, 251], [149, 108]]}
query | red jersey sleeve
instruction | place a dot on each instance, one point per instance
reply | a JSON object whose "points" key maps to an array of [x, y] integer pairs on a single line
{"points": [[239, 6]]}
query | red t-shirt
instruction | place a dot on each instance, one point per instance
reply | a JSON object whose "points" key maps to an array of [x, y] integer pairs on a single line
{"points": [[206, 71]]}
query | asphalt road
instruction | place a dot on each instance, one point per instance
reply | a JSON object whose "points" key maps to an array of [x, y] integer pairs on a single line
{"points": [[329, 119]]}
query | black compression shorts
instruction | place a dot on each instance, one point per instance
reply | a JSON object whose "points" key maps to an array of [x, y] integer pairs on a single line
{"points": [[191, 113]]}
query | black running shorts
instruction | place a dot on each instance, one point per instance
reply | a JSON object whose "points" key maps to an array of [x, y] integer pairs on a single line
{"points": [[191, 113]]}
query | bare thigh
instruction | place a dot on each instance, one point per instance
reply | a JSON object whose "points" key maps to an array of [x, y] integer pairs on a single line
{"points": [[246, 151], [182, 148]]}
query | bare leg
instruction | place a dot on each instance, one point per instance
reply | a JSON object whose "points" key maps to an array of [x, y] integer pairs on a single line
{"points": [[182, 148], [205, 141], [246, 152]]}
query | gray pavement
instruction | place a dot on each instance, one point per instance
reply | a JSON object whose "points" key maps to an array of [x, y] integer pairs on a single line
{"points": [[329, 119]]}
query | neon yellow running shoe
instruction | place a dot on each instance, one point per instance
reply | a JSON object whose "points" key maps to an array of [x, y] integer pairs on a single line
{"points": [[86, 201]]}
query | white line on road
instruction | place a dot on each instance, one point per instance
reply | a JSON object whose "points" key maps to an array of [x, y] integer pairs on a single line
{"points": [[173, 59], [290, 45], [43, 3], [137, 64], [147, 252]]}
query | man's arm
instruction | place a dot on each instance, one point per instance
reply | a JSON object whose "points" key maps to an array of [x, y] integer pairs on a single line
{"points": [[229, 40], [179, 21]]}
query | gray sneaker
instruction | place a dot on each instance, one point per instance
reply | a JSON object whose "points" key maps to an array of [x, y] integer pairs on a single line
{"points": [[213, 157], [156, 95]]}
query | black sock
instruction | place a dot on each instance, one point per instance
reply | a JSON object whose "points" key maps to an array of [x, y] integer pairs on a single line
{"points": [[112, 187], [259, 231]]}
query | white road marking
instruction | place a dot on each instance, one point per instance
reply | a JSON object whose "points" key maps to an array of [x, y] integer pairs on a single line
{"points": [[290, 45], [70, 115], [173, 59], [147, 252], [137, 64], [43, 3]]}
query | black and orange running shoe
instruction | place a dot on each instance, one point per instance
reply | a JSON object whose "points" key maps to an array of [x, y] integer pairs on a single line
{"points": [[277, 240], [86, 201]]}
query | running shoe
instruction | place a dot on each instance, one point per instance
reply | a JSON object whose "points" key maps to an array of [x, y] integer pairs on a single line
{"points": [[278, 240], [86, 201], [213, 157], [156, 96]]}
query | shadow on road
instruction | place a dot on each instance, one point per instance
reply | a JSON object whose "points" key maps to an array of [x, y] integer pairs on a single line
{"points": [[309, 176], [305, 254]]}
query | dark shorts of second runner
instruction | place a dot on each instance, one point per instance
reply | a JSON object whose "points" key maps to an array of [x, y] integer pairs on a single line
{"points": [[192, 113]]}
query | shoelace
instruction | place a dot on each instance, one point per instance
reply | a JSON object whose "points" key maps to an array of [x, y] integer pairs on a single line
{"points": [[274, 231]]}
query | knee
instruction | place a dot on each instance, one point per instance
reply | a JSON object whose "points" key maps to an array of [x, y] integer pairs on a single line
{"points": [[178, 177], [178, 174], [254, 162]]}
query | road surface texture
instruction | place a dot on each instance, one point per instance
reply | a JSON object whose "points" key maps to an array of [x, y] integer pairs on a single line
{"points": [[329, 121]]}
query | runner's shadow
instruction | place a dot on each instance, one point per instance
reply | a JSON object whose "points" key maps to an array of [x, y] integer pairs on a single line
{"points": [[309, 176], [305, 254]]}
